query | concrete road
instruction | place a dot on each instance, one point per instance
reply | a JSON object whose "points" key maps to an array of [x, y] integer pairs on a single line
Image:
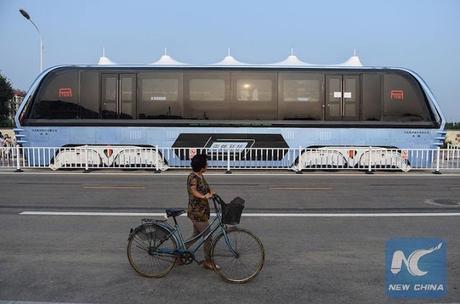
{"points": [[82, 259]]}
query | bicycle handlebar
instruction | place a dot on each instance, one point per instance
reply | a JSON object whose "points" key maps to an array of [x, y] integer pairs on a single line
{"points": [[216, 198]]}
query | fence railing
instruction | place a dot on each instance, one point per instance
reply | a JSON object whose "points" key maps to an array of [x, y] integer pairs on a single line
{"points": [[295, 159], [452, 151]]}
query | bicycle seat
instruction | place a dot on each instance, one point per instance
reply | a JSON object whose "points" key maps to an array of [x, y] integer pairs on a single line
{"points": [[174, 212]]}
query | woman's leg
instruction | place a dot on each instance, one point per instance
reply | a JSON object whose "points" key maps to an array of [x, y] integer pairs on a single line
{"points": [[194, 234], [199, 227]]}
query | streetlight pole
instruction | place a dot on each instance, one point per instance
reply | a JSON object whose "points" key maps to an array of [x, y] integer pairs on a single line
{"points": [[27, 16]]}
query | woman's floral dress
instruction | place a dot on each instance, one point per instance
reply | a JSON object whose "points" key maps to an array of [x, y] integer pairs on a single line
{"points": [[198, 209]]}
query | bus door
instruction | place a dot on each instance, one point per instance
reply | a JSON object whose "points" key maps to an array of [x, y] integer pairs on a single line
{"points": [[342, 97], [118, 96]]}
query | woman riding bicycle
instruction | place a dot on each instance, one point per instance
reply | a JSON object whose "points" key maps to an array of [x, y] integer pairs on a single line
{"points": [[198, 206]]}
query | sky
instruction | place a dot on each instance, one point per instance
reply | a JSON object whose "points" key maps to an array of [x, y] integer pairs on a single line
{"points": [[417, 34]]}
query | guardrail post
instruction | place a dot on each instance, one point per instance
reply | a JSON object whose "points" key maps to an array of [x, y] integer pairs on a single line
{"points": [[438, 158], [369, 169], [299, 168], [18, 160], [157, 164], [86, 160], [228, 162], [448, 152]]}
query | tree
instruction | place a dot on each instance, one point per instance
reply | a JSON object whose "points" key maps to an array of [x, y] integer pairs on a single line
{"points": [[6, 94], [453, 126]]}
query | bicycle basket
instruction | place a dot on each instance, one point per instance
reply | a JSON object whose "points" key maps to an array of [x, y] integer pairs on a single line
{"points": [[231, 212]]}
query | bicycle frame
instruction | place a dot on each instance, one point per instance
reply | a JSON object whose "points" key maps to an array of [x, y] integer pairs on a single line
{"points": [[176, 234]]}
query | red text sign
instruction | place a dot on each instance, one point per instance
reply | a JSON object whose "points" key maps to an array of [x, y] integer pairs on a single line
{"points": [[65, 92], [397, 95]]}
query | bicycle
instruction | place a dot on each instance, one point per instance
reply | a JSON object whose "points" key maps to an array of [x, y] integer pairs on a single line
{"points": [[155, 246]]}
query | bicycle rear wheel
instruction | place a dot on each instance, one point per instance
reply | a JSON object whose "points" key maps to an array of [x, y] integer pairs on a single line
{"points": [[249, 258], [150, 249]]}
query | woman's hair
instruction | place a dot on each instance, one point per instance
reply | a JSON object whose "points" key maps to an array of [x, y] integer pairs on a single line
{"points": [[199, 162]]}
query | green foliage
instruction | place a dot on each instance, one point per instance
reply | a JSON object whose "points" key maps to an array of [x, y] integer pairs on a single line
{"points": [[6, 93], [453, 126], [6, 123]]}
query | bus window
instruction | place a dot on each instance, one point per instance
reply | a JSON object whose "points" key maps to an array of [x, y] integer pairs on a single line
{"points": [[207, 89], [58, 97], [89, 95], [300, 96], [372, 104], [254, 90], [403, 99], [206, 95], [254, 95], [160, 95]]}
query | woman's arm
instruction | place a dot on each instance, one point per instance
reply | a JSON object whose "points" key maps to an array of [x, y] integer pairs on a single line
{"points": [[198, 195]]}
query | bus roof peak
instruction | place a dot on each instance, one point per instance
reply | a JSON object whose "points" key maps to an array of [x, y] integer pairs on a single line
{"points": [[103, 60]]}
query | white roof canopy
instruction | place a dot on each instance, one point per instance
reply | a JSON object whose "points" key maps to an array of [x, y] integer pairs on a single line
{"points": [[229, 60], [167, 60], [291, 60], [103, 60], [352, 61]]}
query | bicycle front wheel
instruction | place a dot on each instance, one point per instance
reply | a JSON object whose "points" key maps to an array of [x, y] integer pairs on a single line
{"points": [[150, 251], [240, 256]]}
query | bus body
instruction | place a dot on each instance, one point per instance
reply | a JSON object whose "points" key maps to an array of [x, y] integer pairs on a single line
{"points": [[238, 106]]}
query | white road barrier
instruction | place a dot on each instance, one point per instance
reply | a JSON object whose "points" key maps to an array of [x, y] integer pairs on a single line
{"points": [[296, 159]]}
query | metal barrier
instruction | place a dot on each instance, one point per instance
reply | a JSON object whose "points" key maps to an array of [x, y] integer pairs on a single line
{"points": [[296, 159], [453, 152]]}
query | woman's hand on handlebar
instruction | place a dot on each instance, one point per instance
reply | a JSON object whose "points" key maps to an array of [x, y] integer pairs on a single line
{"points": [[209, 195]]}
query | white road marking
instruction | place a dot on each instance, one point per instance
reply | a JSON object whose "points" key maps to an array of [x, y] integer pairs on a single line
{"points": [[300, 188], [115, 187], [29, 302], [162, 214]]}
